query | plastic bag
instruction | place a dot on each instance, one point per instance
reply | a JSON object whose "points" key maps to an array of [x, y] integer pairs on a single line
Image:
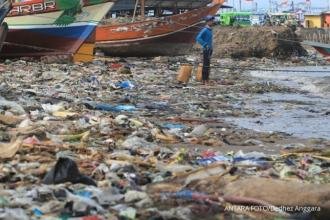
{"points": [[66, 170]]}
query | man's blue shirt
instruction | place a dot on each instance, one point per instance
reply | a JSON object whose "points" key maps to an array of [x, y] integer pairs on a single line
{"points": [[205, 38]]}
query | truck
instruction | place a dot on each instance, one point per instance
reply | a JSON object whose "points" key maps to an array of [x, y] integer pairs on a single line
{"points": [[235, 19], [258, 19], [283, 18]]}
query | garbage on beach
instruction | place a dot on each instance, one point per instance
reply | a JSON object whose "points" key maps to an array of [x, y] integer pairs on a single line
{"points": [[154, 150]]}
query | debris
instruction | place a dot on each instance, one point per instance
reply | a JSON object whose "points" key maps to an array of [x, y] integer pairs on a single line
{"points": [[12, 106], [121, 119], [64, 114], [125, 85], [199, 131], [282, 193], [8, 150], [128, 213], [134, 196], [82, 141], [125, 70], [111, 108], [233, 42], [210, 160], [66, 170], [69, 137], [136, 142], [49, 108], [10, 119], [13, 214]]}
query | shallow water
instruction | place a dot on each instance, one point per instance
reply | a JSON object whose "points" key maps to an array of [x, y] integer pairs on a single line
{"points": [[317, 83], [305, 114]]}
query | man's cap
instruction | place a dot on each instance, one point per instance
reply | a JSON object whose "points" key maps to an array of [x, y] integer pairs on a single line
{"points": [[209, 18]]}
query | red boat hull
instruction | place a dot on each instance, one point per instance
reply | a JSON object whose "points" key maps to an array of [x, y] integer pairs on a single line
{"points": [[322, 48], [175, 43], [172, 35], [324, 51]]}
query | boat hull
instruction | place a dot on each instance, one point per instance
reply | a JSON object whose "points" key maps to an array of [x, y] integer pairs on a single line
{"points": [[322, 48], [3, 34], [174, 43], [39, 42], [37, 35], [4, 10], [324, 51], [172, 35]]}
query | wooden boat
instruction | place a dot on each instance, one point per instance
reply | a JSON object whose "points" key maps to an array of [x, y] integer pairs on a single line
{"points": [[5, 6], [51, 27], [322, 48], [318, 38], [171, 35]]}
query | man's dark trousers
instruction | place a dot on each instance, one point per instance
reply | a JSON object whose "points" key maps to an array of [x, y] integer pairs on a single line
{"points": [[207, 53]]}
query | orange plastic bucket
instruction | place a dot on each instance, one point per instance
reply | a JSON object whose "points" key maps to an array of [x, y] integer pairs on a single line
{"points": [[199, 76], [184, 73]]}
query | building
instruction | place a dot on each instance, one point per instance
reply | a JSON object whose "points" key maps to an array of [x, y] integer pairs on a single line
{"points": [[326, 19], [314, 20]]}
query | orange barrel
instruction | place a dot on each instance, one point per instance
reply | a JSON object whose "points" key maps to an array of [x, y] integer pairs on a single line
{"points": [[184, 73], [199, 72]]}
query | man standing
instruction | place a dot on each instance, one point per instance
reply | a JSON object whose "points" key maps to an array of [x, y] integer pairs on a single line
{"points": [[205, 39]]}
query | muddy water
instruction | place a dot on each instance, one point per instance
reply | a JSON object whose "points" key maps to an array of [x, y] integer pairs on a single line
{"points": [[304, 114]]}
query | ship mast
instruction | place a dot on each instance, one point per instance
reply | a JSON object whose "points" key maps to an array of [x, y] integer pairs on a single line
{"points": [[135, 8], [142, 7], [142, 3]]}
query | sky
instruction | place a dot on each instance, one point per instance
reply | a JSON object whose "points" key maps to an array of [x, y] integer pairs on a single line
{"points": [[265, 3]]}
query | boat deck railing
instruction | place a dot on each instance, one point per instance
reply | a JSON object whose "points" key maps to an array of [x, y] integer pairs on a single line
{"points": [[319, 35]]}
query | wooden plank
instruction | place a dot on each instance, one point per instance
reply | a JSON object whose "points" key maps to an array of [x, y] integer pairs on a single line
{"points": [[85, 53]]}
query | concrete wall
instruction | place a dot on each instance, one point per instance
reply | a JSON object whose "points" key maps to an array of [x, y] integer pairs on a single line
{"points": [[313, 21], [326, 20]]}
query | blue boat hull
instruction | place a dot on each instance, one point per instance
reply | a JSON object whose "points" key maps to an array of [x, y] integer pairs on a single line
{"points": [[49, 33], [46, 41]]}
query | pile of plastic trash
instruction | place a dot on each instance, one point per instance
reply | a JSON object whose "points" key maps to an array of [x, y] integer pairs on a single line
{"points": [[86, 142]]}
